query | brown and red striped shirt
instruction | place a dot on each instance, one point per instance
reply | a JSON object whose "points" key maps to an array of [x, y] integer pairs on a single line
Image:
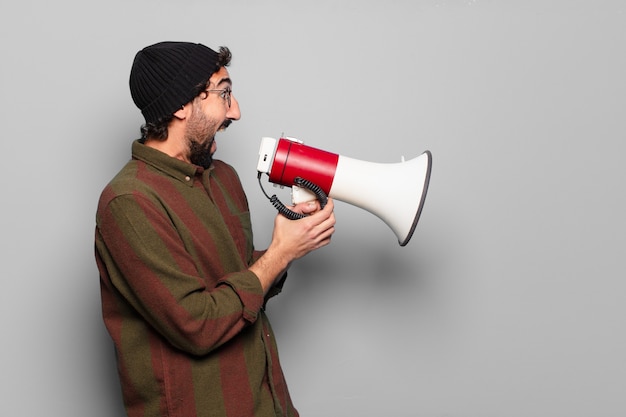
{"points": [[173, 244]]}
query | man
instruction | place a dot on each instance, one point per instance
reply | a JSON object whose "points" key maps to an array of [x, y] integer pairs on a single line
{"points": [[183, 290]]}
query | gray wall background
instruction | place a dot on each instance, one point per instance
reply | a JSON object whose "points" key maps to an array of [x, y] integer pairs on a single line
{"points": [[509, 299]]}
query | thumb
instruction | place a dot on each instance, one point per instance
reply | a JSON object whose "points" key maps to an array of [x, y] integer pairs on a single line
{"points": [[307, 207]]}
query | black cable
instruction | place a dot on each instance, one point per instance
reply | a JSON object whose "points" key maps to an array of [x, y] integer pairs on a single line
{"points": [[301, 182]]}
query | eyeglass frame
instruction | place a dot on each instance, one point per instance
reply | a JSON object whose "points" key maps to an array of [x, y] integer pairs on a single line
{"points": [[225, 94]]}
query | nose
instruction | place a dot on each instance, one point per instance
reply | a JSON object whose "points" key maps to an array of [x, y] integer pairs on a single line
{"points": [[233, 112]]}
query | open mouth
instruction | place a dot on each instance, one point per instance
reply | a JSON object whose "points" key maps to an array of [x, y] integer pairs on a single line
{"points": [[225, 125]]}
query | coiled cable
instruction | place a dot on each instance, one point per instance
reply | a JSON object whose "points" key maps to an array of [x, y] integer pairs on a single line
{"points": [[300, 182]]}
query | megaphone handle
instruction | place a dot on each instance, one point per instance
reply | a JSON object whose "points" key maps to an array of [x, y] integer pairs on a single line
{"points": [[301, 182]]}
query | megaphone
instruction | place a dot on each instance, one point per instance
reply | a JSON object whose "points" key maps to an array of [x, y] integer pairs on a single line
{"points": [[394, 192]]}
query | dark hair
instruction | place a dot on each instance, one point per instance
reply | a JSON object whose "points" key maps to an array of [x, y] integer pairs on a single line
{"points": [[158, 129]]}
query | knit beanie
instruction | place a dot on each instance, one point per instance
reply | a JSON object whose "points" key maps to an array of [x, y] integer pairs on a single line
{"points": [[165, 75]]}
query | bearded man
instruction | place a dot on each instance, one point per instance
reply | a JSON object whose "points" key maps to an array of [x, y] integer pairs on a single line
{"points": [[183, 289]]}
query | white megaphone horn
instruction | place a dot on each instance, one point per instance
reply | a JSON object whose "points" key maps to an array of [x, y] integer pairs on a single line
{"points": [[394, 192]]}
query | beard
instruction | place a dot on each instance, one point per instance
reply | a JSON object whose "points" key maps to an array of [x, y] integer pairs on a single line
{"points": [[200, 153], [200, 137]]}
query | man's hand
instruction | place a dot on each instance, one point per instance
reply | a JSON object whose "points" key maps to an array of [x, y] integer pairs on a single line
{"points": [[292, 239], [307, 208], [296, 238]]}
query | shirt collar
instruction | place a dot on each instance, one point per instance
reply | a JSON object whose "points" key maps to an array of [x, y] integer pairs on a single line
{"points": [[182, 171]]}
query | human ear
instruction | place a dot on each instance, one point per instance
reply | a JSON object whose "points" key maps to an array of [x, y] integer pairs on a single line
{"points": [[181, 113]]}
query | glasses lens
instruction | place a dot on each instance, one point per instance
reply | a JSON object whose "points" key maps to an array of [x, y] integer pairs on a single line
{"points": [[227, 92]]}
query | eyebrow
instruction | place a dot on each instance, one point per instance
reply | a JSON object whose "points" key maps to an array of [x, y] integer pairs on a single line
{"points": [[224, 80]]}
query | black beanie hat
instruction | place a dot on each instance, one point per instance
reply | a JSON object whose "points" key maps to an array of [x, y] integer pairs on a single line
{"points": [[165, 75]]}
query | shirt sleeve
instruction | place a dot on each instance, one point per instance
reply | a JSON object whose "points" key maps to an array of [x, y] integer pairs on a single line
{"points": [[148, 264]]}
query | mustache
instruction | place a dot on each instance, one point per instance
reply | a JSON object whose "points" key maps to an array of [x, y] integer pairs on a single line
{"points": [[225, 125]]}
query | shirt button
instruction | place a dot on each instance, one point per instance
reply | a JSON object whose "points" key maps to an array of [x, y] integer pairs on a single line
{"points": [[187, 178]]}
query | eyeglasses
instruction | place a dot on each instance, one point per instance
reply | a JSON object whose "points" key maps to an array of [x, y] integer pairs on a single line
{"points": [[224, 94]]}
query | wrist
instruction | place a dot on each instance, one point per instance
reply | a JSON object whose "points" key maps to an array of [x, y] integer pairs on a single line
{"points": [[269, 267]]}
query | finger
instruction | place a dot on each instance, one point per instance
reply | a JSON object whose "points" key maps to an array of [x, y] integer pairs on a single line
{"points": [[327, 210], [327, 215], [325, 229], [308, 207], [325, 238]]}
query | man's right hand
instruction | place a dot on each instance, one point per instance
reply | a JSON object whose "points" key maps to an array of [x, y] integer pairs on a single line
{"points": [[292, 239], [299, 237]]}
